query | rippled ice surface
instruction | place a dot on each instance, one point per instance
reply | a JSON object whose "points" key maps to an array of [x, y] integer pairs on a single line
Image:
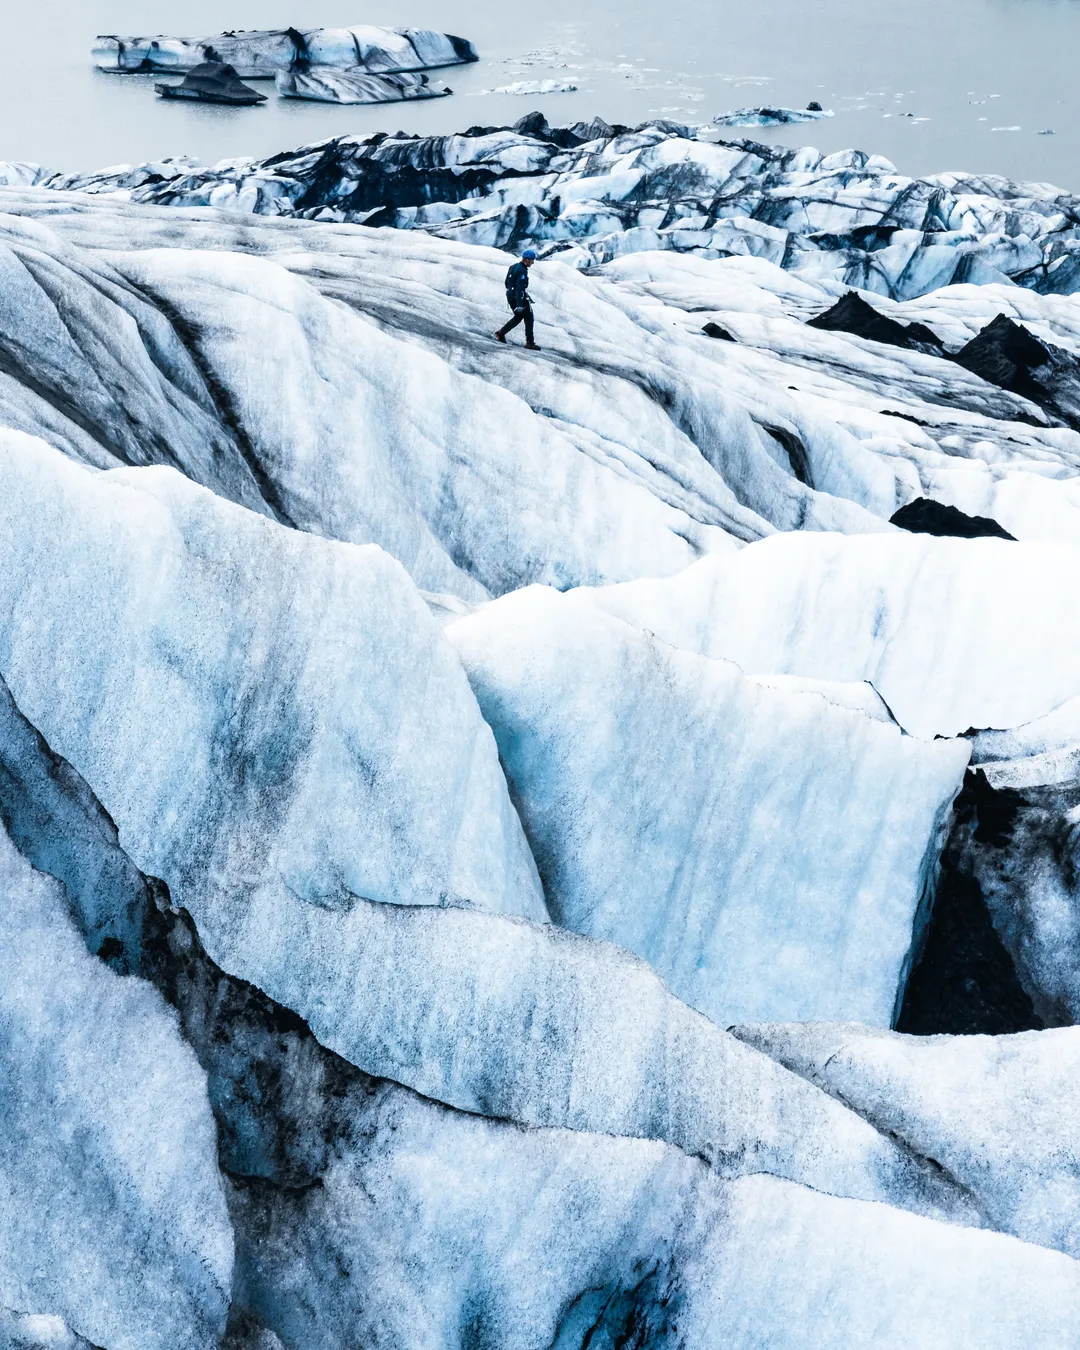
{"points": [[933, 84]]}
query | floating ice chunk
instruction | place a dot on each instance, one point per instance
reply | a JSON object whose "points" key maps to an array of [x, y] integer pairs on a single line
{"points": [[212, 82], [354, 84], [770, 117], [256, 54], [699, 819], [533, 87], [113, 1212]]}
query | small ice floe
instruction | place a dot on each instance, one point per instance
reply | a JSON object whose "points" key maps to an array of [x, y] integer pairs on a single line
{"points": [[533, 87], [1006, 128], [771, 117], [213, 82], [353, 84], [1046, 131]]}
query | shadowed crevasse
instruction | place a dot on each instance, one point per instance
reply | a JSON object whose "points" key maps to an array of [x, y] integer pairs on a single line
{"points": [[963, 981]]}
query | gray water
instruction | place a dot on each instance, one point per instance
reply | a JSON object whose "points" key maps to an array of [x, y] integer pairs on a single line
{"points": [[966, 70]]}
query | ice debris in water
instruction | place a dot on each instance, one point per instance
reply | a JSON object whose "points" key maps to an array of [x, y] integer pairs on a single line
{"points": [[551, 86], [771, 117]]}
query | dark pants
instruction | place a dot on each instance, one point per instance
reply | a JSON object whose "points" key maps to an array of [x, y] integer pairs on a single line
{"points": [[525, 314]]}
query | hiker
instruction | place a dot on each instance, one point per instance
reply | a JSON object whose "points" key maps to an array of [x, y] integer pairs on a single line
{"points": [[517, 297]]}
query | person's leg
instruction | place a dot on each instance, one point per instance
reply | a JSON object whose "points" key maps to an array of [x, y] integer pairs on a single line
{"points": [[511, 325], [529, 341]]}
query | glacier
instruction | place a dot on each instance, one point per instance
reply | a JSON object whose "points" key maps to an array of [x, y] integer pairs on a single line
{"points": [[552, 849]]}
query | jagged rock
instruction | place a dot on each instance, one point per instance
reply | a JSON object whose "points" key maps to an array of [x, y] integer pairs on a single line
{"points": [[1001, 1114], [212, 82], [260, 54], [328, 84], [925, 516], [698, 818], [964, 981], [852, 314], [1006, 354]]}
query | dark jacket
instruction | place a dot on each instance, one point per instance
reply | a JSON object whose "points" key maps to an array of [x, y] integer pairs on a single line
{"points": [[517, 286]]}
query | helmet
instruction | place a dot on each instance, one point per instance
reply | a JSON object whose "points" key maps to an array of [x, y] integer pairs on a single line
{"points": [[530, 253]]}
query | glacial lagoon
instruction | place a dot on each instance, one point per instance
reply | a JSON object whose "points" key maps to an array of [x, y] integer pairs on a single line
{"points": [[973, 84]]}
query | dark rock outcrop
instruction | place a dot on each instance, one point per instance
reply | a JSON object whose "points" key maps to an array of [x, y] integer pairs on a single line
{"points": [[964, 982], [925, 516], [852, 314], [1008, 355], [213, 82]]}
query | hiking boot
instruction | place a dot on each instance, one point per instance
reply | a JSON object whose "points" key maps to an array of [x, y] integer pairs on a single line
{"points": [[500, 336], [532, 347]]}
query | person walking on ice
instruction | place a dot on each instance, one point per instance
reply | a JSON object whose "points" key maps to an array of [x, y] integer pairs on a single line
{"points": [[517, 297]]}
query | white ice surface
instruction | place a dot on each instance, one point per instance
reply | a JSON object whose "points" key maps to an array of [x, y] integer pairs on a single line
{"points": [[953, 634], [761, 848], [265, 714], [646, 1238], [1001, 1114], [112, 1213]]}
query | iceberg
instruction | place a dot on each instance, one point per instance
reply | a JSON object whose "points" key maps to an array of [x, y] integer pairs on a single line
{"points": [[771, 117], [261, 54], [212, 82], [330, 84]]}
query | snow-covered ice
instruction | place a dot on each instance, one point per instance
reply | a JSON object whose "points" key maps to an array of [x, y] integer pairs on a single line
{"points": [[354, 84]]}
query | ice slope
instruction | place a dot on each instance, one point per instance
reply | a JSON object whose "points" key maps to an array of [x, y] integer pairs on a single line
{"points": [[323, 746], [760, 847], [114, 1216], [352, 890], [365, 1214], [631, 426], [651, 1250], [953, 634], [1001, 1114], [595, 192]]}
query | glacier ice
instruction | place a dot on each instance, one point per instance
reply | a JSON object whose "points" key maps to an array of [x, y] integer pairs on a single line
{"points": [[339, 778], [318, 783], [114, 1215], [953, 634], [999, 1113], [448, 1215], [597, 192], [762, 848]]}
